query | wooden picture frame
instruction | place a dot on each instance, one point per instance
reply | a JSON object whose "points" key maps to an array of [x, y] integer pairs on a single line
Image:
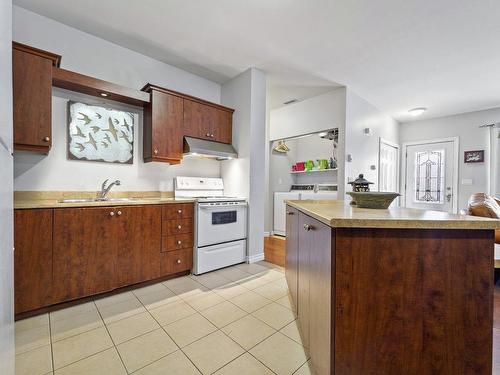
{"points": [[476, 156]]}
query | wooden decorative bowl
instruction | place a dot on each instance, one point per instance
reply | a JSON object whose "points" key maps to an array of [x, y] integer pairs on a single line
{"points": [[372, 199]]}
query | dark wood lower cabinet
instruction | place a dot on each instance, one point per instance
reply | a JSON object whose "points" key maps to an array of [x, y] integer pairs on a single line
{"points": [[64, 254], [32, 259], [393, 301], [292, 253]]}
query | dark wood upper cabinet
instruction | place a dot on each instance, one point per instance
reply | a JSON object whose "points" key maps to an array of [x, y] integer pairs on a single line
{"points": [[207, 122], [162, 129], [32, 259], [32, 97]]}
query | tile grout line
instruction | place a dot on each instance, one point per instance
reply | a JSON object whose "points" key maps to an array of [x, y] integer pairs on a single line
{"points": [[51, 344], [111, 337]]}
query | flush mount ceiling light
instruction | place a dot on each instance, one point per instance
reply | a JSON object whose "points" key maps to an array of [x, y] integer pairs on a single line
{"points": [[417, 111], [104, 94]]}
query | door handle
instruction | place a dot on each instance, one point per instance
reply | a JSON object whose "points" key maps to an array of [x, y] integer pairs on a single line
{"points": [[308, 227], [290, 213], [448, 197]]}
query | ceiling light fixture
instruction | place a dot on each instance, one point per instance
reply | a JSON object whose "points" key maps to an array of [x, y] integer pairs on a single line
{"points": [[104, 94], [417, 111]]}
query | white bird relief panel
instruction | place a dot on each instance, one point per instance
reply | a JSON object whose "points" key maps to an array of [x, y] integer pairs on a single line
{"points": [[100, 134]]}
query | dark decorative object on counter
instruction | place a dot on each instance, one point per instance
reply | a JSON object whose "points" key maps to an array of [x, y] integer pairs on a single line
{"points": [[474, 156], [360, 184], [375, 199]]}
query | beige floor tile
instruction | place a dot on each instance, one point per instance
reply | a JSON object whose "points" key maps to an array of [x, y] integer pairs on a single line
{"points": [[271, 266], [172, 312], [275, 315], [30, 339], [244, 365], [223, 313], [128, 328], [81, 346], [233, 274], [255, 281], [272, 291], [71, 326], [280, 353], [114, 299], [250, 301], [211, 280], [248, 331], [212, 352], [286, 301], [30, 323], [187, 288], [145, 349], [305, 369], [107, 362], [173, 364], [69, 312], [189, 329], [252, 268], [176, 281], [155, 295], [121, 310], [231, 290], [281, 282], [203, 301], [292, 330], [34, 362]]}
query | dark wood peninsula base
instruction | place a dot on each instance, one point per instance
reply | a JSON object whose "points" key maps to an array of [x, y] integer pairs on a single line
{"points": [[391, 300]]}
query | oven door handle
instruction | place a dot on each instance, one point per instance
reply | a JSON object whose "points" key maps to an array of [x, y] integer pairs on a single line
{"points": [[221, 207]]}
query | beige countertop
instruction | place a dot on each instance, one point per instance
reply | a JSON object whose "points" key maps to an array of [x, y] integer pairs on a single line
{"points": [[52, 199], [340, 214]]}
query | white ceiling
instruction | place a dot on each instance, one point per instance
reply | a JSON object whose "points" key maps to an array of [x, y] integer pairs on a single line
{"points": [[397, 54]]}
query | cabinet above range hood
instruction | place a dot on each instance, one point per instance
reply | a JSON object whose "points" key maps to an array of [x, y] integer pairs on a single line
{"points": [[194, 147]]}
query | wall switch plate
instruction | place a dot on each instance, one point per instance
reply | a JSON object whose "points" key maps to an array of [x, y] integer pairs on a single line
{"points": [[373, 167], [466, 181], [349, 158]]}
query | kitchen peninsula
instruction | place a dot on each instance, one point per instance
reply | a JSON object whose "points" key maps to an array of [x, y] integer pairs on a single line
{"points": [[398, 291]]}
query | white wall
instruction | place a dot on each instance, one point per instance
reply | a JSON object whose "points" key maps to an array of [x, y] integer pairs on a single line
{"points": [[90, 55], [6, 245], [326, 111], [471, 137], [360, 114], [245, 176]]}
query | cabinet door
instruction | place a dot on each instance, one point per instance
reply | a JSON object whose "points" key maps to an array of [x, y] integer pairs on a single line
{"points": [[32, 259], [140, 244], [320, 296], [292, 252], [198, 120], [85, 252], [222, 128], [32, 100], [163, 128], [305, 247]]}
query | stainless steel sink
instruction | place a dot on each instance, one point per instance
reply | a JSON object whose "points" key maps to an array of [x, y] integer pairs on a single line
{"points": [[86, 200]]}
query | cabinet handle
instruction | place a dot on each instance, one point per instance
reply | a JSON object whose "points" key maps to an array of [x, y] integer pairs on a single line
{"points": [[111, 213], [179, 211], [208, 134], [119, 213], [179, 242], [290, 213], [155, 152], [211, 135], [46, 139], [179, 226], [178, 261], [308, 227]]}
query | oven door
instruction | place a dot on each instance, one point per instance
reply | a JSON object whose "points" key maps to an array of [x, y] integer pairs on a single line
{"points": [[221, 223]]}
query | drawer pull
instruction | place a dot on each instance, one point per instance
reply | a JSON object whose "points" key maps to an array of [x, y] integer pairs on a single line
{"points": [[111, 213], [178, 261], [290, 213], [208, 134], [179, 226], [179, 211], [179, 242], [308, 227], [155, 152], [119, 213], [46, 139]]}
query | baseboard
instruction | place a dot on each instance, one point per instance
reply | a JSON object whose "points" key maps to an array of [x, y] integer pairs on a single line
{"points": [[255, 258], [268, 234]]}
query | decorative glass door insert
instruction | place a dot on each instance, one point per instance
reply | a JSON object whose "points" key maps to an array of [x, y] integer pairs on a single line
{"points": [[429, 176]]}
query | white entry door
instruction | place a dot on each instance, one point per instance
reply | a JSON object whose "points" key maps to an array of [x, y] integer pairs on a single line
{"points": [[430, 180], [388, 168]]}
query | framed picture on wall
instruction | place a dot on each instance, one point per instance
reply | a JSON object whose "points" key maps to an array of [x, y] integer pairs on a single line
{"points": [[474, 156]]}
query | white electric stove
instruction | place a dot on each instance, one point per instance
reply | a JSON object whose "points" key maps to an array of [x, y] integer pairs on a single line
{"points": [[220, 223]]}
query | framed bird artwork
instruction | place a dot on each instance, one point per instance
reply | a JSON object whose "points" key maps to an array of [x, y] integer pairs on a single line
{"points": [[97, 133]]}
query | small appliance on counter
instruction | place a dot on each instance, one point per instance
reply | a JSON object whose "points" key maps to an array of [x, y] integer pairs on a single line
{"points": [[220, 223]]}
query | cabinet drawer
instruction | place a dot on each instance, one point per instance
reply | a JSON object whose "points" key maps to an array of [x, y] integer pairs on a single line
{"points": [[180, 241], [177, 211], [176, 261], [177, 226]]}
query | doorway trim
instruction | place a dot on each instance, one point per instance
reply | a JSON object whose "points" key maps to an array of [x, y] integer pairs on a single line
{"points": [[456, 153], [398, 161]]}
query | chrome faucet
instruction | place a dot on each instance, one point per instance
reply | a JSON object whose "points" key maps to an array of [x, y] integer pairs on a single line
{"points": [[105, 189]]}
